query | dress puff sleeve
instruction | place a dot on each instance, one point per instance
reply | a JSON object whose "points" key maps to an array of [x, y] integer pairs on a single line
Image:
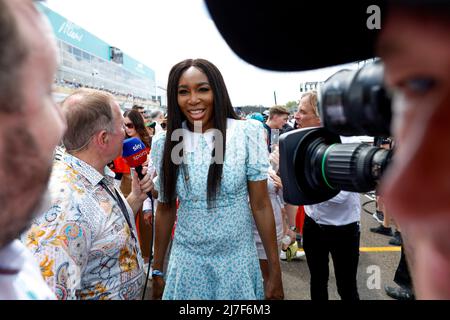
{"points": [[257, 154], [156, 156]]}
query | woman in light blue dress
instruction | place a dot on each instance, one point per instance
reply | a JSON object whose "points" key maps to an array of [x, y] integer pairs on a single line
{"points": [[215, 165]]}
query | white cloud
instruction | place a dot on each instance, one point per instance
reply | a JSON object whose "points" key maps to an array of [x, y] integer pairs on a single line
{"points": [[160, 33]]}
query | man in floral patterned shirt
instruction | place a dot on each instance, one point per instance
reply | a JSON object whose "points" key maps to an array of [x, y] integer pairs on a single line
{"points": [[86, 243]]}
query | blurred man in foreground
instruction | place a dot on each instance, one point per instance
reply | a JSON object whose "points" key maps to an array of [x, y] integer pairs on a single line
{"points": [[30, 128], [414, 44]]}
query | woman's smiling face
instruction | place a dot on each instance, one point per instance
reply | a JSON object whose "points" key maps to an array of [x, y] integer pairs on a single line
{"points": [[195, 98]]}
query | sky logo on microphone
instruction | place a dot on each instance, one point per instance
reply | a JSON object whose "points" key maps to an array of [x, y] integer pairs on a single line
{"points": [[134, 152], [137, 147]]}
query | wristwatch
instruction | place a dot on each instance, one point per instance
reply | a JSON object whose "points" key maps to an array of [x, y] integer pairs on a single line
{"points": [[293, 228]]}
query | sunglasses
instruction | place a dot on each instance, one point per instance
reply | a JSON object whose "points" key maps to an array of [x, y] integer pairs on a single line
{"points": [[129, 125]]}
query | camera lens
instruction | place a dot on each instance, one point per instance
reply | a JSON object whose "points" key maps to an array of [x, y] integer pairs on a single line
{"points": [[356, 102], [323, 166], [351, 167], [351, 103], [308, 173]]}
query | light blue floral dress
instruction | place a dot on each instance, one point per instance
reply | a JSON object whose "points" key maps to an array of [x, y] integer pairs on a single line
{"points": [[213, 254]]}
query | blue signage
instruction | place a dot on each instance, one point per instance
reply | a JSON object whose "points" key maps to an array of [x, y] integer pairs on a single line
{"points": [[73, 34]]}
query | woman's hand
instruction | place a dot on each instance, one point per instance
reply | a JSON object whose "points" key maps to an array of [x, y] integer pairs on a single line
{"points": [[274, 286], [274, 159], [158, 285], [147, 217], [276, 180], [265, 223]]}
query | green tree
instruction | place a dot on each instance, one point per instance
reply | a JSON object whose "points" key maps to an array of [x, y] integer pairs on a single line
{"points": [[292, 106]]}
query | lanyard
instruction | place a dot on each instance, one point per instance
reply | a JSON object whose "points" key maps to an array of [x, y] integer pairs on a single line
{"points": [[122, 206]]}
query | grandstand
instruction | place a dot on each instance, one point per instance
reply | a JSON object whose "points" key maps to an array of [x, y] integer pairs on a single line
{"points": [[308, 86], [87, 61]]}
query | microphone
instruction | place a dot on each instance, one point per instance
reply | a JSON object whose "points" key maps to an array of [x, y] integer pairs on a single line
{"points": [[135, 155]]}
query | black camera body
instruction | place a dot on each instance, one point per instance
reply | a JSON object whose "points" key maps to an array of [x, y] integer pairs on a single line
{"points": [[297, 186], [354, 103], [314, 164]]}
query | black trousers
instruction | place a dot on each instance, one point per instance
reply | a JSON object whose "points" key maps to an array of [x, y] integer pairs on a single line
{"points": [[402, 276], [343, 244]]}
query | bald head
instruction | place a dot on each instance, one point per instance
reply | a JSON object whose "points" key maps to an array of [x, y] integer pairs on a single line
{"points": [[87, 112]]}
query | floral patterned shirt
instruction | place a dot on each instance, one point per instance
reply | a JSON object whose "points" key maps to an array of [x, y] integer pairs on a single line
{"points": [[20, 276], [83, 243]]}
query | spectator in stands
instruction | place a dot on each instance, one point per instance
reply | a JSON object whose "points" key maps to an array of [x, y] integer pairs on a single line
{"points": [[86, 242], [31, 126]]}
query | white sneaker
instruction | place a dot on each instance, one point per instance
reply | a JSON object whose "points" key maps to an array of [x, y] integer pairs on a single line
{"points": [[378, 216], [298, 255]]}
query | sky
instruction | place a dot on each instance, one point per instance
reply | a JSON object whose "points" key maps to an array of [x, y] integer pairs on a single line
{"points": [[161, 33]]}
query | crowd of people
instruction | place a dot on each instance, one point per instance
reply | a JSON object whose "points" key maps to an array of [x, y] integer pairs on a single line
{"points": [[77, 224], [122, 96]]}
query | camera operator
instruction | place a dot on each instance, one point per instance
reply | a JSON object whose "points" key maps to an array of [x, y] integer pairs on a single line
{"points": [[330, 227]]}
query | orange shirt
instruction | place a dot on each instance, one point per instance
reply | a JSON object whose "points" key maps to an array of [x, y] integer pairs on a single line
{"points": [[120, 165]]}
